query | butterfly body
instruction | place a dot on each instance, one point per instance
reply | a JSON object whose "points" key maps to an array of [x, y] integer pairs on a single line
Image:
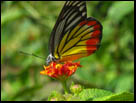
{"points": [[74, 35]]}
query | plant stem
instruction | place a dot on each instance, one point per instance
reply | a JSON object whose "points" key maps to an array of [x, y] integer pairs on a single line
{"points": [[64, 84]]}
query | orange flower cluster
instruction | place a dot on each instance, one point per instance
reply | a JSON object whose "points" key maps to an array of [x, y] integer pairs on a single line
{"points": [[60, 71]]}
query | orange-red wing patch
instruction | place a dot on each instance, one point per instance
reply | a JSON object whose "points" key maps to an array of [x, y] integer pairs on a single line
{"points": [[92, 44], [89, 23], [72, 57], [82, 41]]}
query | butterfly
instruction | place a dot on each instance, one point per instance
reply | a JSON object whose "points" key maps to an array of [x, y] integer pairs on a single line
{"points": [[74, 35]]}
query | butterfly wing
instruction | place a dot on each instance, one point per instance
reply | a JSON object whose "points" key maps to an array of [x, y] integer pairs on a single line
{"points": [[81, 41], [72, 13], [74, 35]]}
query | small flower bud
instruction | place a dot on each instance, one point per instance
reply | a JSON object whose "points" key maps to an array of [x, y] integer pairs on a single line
{"points": [[76, 89]]}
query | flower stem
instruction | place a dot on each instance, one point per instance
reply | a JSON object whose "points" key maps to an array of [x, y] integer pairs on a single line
{"points": [[64, 84]]}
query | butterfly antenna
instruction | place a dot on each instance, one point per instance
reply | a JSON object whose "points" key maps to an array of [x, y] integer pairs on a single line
{"points": [[31, 54]]}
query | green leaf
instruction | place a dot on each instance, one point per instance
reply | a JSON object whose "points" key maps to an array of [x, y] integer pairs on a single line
{"points": [[90, 94], [123, 96]]}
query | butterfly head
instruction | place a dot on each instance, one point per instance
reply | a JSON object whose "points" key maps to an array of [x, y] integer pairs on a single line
{"points": [[49, 59]]}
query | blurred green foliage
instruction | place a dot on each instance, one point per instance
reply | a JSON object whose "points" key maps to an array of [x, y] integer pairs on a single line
{"points": [[26, 26]]}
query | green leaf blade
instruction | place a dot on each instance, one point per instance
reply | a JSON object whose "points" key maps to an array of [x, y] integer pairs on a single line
{"points": [[90, 94], [123, 96]]}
